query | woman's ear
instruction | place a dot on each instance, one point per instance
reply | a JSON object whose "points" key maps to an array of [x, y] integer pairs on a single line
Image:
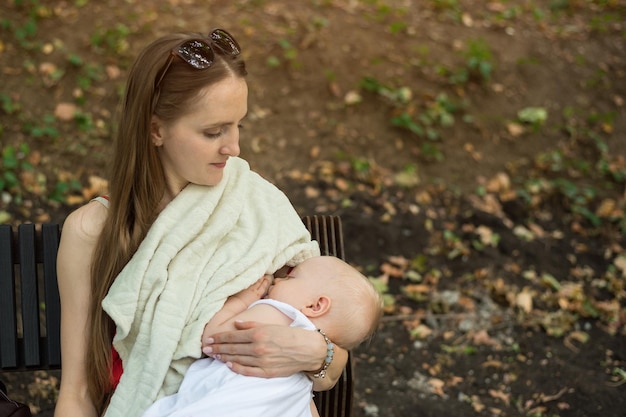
{"points": [[318, 308], [156, 132]]}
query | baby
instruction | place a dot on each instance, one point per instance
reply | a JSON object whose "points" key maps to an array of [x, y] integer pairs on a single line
{"points": [[322, 293]]}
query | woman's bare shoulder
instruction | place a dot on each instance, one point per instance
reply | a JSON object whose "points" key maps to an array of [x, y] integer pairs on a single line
{"points": [[86, 222]]}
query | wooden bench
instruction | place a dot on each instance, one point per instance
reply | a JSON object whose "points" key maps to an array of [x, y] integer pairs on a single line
{"points": [[30, 309]]}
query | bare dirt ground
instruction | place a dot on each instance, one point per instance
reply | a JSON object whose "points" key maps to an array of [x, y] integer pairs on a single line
{"points": [[474, 150]]}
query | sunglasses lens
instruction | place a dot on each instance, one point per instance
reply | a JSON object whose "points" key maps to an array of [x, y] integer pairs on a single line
{"points": [[196, 53], [225, 42]]}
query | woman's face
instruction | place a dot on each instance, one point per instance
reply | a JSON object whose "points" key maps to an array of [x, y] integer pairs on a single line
{"points": [[196, 147]]}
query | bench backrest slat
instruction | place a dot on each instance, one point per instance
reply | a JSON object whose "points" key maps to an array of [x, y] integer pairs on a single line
{"points": [[29, 289], [50, 239], [8, 313], [326, 230]]}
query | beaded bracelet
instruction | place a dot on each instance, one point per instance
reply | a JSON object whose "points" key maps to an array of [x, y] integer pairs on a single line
{"points": [[330, 352]]}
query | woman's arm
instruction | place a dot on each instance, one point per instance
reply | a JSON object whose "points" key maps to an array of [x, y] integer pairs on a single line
{"points": [[78, 240], [334, 371], [256, 349]]}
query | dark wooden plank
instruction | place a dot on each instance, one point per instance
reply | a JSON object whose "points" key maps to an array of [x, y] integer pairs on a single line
{"points": [[29, 292], [50, 246], [327, 231], [8, 318]]}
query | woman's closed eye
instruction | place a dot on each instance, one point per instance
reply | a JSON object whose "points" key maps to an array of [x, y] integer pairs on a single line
{"points": [[214, 134], [217, 133]]}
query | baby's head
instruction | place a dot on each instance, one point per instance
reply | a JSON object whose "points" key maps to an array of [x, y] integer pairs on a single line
{"points": [[334, 296], [356, 306]]}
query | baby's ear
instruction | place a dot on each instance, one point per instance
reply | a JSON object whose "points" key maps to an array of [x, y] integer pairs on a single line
{"points": [[318, 308]]}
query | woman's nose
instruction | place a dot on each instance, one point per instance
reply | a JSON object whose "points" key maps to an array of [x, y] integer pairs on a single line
{"points": [[231, 143]]}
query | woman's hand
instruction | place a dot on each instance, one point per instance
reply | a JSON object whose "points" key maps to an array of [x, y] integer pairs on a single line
{"points": [[268, 351]]}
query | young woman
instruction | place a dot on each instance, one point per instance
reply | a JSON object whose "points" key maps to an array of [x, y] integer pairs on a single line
{"points": [[185, 225]]}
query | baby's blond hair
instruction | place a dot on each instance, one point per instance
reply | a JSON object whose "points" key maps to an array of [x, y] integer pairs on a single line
{"points": [[356, 305]]}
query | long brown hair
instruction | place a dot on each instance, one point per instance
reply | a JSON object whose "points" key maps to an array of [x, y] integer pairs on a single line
{"points": [[137, 181]]}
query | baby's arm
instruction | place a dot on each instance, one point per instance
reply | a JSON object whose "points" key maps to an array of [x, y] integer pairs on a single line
{"points": [[239, 302], [262, 313]]}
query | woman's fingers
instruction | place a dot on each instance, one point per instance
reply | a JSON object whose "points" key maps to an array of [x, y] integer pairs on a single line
{"points": [[248, 335], [240, 349], [250, 370], [239, 342], [253, 366], [245, 325]]}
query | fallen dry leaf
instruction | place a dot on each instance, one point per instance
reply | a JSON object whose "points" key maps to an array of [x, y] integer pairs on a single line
{"points": [[392, 271], [436, 386], [575, 336], [400, 261], [501, 182], [47, 68], [477, 405], [469, 148], [454, 381], [482, 338], [515, 129], [467, 20], [418, 288], [342, 184], [620, 263], [536, 229], [502, 396], [74, 200], [97, 186], [492, 364], [524, 300], [544, 398], [352, 98], [311, 192], [486, 235], [421, 331], [423, 197], [35, 157], [65, 111], [113, 72], [315, 152], [467, 303]]}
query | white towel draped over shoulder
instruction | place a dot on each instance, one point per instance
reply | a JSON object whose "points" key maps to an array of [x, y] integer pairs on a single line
{"points": [[207, 244]]}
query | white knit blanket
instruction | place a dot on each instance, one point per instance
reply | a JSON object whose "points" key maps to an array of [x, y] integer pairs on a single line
{"points": [[207, 244]]}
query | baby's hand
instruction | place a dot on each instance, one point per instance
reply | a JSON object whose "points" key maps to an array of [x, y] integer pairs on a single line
{"points": [[255, 291]]}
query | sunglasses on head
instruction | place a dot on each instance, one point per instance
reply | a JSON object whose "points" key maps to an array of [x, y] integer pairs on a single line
{"points": [[200, 53]]}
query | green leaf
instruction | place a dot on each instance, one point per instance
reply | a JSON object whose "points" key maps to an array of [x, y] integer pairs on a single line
{"points": [[533, 115], [550, 281]]}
